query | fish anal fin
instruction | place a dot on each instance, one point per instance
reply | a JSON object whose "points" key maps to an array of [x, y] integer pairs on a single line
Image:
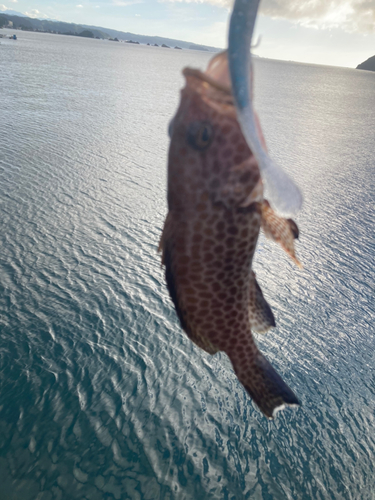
{"points": [[203, 342], [280, 230], [260, 313]]}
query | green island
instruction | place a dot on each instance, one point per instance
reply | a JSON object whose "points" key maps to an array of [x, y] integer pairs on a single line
{"points": [[368, 65], [20, 22]]}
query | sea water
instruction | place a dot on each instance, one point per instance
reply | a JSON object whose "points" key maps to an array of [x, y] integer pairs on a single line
{"points": [[101, 394]]}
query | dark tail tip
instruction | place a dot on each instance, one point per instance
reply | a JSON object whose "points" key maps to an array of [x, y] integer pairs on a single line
{"points": [[268, 390], [294, 228]]}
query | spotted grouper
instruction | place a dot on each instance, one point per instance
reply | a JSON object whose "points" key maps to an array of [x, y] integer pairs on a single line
{"points": [[216, 210]]}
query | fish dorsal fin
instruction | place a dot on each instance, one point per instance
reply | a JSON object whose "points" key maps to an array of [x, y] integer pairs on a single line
{"points": [[260, 313]]}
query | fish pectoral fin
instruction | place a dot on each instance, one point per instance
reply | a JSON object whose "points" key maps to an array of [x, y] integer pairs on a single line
{"points": [[280, 230], [260, 313], [267, 388]]}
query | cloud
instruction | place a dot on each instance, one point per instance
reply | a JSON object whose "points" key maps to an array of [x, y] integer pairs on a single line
{"points": [[35, 14], [349, 15], [121, 3], [14, 1], [3, 7], [79, 6], [218, 3]]}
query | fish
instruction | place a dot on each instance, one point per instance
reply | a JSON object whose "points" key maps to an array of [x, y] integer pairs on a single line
{"points": [[282, 191], [216, 209]]}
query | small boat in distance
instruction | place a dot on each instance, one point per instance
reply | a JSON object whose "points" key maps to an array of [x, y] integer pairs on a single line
{"points": [[13, 37]]}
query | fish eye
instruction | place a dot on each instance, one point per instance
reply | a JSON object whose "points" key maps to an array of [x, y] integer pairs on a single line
{"points": [[200, 135]]}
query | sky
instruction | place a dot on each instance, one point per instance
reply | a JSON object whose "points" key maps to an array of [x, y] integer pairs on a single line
{"points": [[330, 32]]}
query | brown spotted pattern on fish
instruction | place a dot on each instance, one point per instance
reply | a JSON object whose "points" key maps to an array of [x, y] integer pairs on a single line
{"points": [[210, 233]]}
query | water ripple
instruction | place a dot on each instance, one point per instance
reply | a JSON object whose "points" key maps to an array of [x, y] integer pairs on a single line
{"points": [[102, 396]]}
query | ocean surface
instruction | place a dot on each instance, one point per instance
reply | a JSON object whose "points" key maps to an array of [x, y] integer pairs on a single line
{"points": [[101, 394]]}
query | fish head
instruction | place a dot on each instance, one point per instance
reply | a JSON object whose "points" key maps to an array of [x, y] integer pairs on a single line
{"points": [[209, 159]]}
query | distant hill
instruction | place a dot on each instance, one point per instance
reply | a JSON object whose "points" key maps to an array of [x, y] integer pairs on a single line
{"points": [[46, 25], [12, 13], [145, 39], [49, 26], [369, 64]]}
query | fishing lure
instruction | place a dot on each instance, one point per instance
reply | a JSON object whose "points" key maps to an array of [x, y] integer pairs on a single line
{"points": [[282, 192]]}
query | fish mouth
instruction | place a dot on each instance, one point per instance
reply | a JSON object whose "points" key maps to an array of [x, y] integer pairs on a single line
{"points": [[216, 75], [213, 85]]}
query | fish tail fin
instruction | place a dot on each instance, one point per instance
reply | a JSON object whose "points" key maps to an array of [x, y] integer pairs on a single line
{"points": [[267, 388]]}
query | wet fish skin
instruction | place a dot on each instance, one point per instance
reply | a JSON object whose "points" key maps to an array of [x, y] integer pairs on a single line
{"points": [[215, 202]]}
